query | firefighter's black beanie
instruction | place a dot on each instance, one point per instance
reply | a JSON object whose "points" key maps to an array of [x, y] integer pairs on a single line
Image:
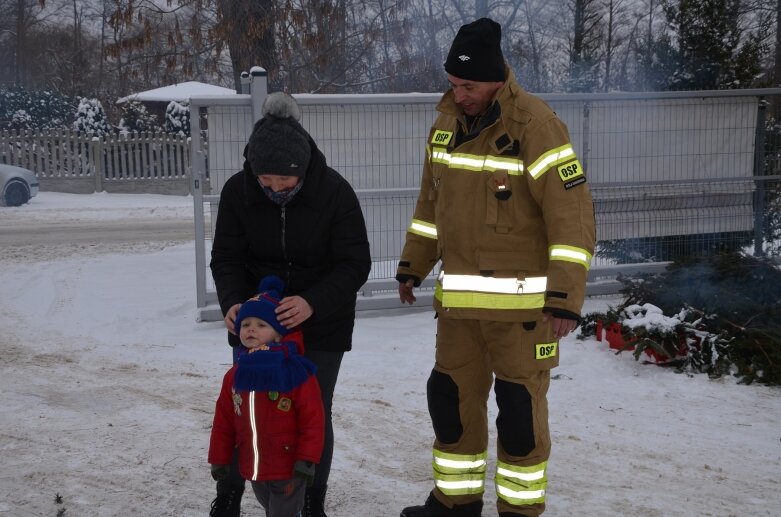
{"points": [[476, 52], [279, 144]]}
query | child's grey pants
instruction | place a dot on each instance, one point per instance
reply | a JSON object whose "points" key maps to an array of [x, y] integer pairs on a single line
{"points": [[280, 498]]}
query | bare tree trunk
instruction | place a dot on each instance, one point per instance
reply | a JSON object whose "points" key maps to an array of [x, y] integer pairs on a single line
{"points": [[777, 65], [101, 66], [609, 44], [248, 28], [481, 8], [20, 40]]}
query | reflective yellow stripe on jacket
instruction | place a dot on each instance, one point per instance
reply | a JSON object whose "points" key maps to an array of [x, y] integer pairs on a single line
{"points": [[570, 254], [553, 157], [477, 163], [521, 486], [459, 474], [423, 228], [479, 292]]}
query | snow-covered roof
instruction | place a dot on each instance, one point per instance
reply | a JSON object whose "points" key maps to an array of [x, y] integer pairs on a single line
{"points": [[178, 92]]}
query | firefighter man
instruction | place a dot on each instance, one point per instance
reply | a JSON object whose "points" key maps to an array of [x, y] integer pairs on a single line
{"points": [[505, 207]]}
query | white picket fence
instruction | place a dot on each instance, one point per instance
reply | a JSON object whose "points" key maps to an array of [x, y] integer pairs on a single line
{"points": [[70, 161]]}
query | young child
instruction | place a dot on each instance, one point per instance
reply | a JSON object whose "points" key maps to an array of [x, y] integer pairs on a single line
{"points": [[270, 408]]}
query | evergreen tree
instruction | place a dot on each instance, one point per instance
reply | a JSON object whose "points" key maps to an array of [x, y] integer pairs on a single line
{"points": [[585, 50], [91, 119], [657, 63], [712, 50], [34, 109], [136, 118]]}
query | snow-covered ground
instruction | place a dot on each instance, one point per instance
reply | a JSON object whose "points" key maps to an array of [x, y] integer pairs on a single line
{"points": [[108, 386]]}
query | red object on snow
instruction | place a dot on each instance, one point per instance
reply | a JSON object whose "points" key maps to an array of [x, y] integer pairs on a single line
{"points": [[613, 336], [616, 341]]}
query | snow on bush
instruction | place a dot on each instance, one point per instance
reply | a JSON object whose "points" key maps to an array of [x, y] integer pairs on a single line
{"points": [[177, 118], [34, 109], [91, 119], [136, 119]]}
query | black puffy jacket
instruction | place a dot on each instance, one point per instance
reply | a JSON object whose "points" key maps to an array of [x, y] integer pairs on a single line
{"points": [[317, 244]]}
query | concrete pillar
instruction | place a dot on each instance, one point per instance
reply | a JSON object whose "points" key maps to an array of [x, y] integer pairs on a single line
{"points": [[258, 90]]}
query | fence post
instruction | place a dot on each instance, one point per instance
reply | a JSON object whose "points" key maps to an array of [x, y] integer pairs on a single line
{"points": [[244, 82], [759, 171], [258, 90], [198, 172], [586, 135], [96, 150]]}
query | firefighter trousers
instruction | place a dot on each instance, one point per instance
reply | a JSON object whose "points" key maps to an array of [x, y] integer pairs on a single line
{"points": [[469, 355]]}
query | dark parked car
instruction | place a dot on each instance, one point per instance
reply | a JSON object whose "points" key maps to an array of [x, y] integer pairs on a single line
{"points": [[17, 185]]}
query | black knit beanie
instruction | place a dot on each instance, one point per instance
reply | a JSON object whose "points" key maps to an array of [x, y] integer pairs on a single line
{"points": [[476, 52], [279, 144]]}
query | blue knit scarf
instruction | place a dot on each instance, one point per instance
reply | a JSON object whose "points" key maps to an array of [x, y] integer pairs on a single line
{"points": [[280, 369], [282, 197]]}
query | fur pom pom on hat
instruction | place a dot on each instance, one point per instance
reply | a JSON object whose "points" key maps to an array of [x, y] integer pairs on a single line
{"points": [[476, 52], [263, 304], [279, 144]]}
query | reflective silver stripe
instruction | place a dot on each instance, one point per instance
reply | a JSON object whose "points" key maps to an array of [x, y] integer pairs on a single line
{"points": [[570, 254], [253, 425], [482, 284], [478, 163], [440, 156], [423, 228], [457, 485], [459, 464], [523, 476], [520, 494], [512, 166], [548, 159]]}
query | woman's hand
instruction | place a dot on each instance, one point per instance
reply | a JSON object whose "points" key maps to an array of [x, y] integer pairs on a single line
{"points": [[293, 311], [230, 318]]}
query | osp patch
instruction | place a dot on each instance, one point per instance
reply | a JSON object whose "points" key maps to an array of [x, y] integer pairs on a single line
{"points": [[441, 137], [545, 350]]}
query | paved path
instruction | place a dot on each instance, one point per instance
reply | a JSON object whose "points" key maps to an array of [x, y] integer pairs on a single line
{"points": [[84, 232]]}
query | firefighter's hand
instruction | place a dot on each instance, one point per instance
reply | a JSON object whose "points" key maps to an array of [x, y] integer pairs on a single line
{"points": [[561, 327], [230, 318], [405, 292]]}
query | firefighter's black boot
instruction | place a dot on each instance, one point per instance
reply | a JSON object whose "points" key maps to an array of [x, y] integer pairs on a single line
{"points": [[433, 508], [228, 500], [314, 502]]}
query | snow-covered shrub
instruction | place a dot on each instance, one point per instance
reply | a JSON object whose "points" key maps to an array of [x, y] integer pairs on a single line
{"points": [[136, 118], [177, 118], [20, 119], [34, 109], [91, 118]]}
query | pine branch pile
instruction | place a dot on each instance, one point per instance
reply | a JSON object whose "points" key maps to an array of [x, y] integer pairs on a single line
{"points": [[726, 317]]}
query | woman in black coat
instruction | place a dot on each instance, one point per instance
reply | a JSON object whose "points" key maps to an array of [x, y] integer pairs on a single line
{"points": [[288, 214]]}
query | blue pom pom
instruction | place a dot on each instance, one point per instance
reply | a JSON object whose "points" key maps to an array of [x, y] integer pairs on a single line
{"points": [[272, 283]]}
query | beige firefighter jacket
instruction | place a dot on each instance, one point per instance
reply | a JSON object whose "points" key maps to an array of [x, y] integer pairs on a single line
{"points": [[507, 211]]}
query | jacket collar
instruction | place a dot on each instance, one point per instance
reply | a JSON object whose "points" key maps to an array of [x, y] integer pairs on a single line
{"points": [[308, 193], [504, 96]]}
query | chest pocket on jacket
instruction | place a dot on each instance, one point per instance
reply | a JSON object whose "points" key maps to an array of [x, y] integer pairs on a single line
{"points": [[499, 202]]}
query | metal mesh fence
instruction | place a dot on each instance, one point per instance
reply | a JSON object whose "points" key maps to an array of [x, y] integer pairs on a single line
{"points": [[678, 174]]}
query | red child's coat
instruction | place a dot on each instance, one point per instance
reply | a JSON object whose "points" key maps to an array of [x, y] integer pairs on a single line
{"points": [[272, 430]]}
